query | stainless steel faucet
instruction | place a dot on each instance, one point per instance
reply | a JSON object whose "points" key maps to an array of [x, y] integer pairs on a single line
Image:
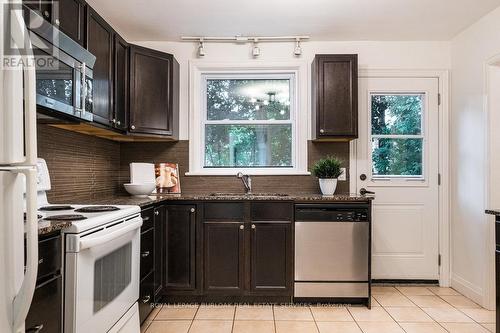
{"points": [[247, 182]]}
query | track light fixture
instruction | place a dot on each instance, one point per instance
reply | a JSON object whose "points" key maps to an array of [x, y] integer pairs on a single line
{"points": [[255, 49], [298, 50], [201, 48]]}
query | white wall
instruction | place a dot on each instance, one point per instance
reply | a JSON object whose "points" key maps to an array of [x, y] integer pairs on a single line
{"points": [[401, 55], [469, 53]]}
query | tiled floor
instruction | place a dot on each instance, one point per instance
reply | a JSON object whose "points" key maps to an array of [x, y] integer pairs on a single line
{"points": [[398, 309]]}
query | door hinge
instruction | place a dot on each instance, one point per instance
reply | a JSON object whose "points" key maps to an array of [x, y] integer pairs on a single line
{"points": [[439, 179], [439, 99], [439, 260]]}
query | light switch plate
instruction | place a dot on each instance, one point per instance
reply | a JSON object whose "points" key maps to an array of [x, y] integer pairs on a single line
{"points": [[343, 176]]}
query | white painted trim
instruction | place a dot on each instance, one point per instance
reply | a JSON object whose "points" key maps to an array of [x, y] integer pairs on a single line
{"points": [[466, 288], [444, 153], [300, 69], [488, 299]]}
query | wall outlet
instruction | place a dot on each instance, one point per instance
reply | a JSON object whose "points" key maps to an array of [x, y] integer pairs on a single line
{"points": [[343, 176]]}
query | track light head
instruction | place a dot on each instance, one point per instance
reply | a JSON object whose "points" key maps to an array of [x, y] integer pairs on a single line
{"points": [[297, 50], [255, 49], [201, 49]]}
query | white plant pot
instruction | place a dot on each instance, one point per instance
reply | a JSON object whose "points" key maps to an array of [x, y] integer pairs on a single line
{"points": [[328, 185]]}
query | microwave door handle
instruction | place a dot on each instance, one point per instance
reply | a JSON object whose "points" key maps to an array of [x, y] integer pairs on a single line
{"points": [[22, 301], [83, 91], [87, 243]]}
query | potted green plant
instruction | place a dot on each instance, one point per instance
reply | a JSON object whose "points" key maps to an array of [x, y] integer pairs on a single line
{"points": [[327, 170]]}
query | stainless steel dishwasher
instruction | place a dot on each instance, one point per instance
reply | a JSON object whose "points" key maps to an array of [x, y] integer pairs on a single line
{"points": [[332, 251]]}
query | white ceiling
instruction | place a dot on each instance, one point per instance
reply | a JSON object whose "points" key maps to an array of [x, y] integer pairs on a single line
{"points": [[321, 19]]}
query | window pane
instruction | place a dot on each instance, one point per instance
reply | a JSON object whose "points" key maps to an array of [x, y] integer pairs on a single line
{"points": [[248, 146], [248, 99], [397, 114], [396, 157]]}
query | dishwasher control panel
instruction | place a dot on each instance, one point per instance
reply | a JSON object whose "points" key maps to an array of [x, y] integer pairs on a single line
{"points": [[332, 213]]}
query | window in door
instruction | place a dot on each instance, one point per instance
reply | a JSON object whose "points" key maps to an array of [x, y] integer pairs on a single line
{"points": [[397, 137]]}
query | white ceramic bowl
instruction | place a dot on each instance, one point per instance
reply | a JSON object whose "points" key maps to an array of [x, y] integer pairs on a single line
{"points": [[140, 190]]}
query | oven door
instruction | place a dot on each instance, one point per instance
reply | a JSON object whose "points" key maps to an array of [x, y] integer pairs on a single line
{"points": [[102, 276]]}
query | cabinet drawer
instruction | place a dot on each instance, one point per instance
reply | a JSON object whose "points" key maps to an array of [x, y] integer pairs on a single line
{"points": [[147, 218], [224, 211], [49, 256], [271, 211], [147, 246], [146, 296]]}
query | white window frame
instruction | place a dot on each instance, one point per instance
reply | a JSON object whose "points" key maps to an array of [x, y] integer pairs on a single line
{"points": [[297, 72]]}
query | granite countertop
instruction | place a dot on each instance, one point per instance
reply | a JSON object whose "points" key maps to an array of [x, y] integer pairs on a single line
{"points": [[150, 200], [46, 227], [493, 211]]}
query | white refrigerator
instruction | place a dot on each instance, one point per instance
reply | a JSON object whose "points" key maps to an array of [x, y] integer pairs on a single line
{"points": [[17, 171]]}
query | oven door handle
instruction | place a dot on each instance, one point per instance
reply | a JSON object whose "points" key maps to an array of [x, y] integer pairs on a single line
{"points": [[88, 243]]}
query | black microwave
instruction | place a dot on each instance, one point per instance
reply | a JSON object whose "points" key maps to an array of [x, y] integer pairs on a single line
{"points": [[64, 78]]}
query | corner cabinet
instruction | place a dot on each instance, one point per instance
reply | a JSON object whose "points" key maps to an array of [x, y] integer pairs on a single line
{"points": [[154, 92], [335, 97]]}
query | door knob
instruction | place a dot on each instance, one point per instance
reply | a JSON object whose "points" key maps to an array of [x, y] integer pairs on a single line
{"points": [[362, 176], [364, 191]]}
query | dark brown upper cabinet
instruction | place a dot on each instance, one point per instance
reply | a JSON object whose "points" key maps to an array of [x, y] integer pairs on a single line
{"points": [[120, 84], [44, 8], [100, 43], [335, 97], [154, 92], [70, 18]]}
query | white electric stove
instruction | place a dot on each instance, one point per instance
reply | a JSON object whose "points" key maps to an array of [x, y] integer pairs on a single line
{"points": [[101, 262]]}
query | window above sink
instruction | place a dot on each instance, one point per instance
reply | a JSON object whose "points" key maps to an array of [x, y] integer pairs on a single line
{"points": [[251, 118]]}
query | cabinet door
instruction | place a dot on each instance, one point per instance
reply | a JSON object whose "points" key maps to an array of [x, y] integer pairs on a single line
{"points": [[159, 227], [180, 247], [335, 82], [120, 83], [271, 257], [100, 44], [71, 19], [151, 91], [147, 252], [146, 297], [223, 257], [497, 254], [44, 8]]}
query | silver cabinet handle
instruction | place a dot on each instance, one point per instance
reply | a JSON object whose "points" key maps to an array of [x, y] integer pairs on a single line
{"points": [[58, 22], [46, 13], [157, 213], [242, 227], [118, 123], [192, 210], [40, 261], [253, 226], [145, 254], [146, 299], [132, 127], [113, 121], [322, 131]]}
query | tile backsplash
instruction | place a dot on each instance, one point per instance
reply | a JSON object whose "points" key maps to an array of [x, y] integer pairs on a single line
{"points": [[83, 167]]}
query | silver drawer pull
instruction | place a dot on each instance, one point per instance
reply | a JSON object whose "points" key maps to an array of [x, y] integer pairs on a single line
{"points": [[146, 299], [35, 329], [145, 254]]}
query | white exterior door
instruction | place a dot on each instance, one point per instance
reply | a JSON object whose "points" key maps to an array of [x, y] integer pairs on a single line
{"points": [[397, 158]]}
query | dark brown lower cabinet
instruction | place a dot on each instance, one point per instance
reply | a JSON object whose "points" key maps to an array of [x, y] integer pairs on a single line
{"points": [[223, 257], [180, 248], [46, 307], [271, 257], [147, 257], [146, 296]]}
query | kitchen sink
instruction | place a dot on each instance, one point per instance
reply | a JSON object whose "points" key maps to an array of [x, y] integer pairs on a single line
{"points": [[250, 195]]}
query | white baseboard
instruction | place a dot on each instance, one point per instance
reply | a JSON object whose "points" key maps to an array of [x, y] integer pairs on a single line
{"points": [[467, 289]]}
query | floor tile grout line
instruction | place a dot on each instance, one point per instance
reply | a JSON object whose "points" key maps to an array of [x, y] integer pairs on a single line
{"points": [[192, 320], [274, 320], [314, 318]]}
